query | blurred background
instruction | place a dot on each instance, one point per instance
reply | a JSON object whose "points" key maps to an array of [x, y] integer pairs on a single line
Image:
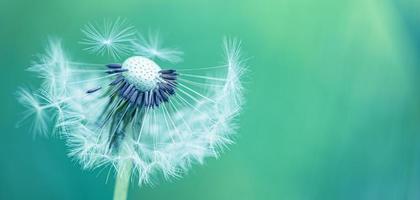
{"points": [[333, 103]]}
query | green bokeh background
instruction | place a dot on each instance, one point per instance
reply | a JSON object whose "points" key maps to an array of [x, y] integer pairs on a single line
{"points": [[333, 103]]}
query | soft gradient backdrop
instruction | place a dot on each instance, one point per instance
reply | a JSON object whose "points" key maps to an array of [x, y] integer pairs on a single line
{"points": [[333, 98]]}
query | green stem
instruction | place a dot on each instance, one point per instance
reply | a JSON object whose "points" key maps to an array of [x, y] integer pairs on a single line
{"points": [[124, 173], [123, 181]]}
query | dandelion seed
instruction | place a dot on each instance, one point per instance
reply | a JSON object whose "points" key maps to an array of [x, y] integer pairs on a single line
{"points": [[33, 109], [112, 37], [151, 47], [136, 115]]}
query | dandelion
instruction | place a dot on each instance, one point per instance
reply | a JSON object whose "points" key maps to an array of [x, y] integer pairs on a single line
{"points": [[141, 118]]}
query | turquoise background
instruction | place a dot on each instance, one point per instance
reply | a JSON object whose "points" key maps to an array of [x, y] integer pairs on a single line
{"points": [[333, 103]]}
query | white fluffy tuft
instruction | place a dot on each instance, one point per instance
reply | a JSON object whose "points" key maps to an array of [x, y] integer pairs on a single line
{"points": [[151, 47], [35, 109], [112, 38]]}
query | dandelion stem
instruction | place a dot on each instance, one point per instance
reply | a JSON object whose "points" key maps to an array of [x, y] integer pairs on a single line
{"points": [[123, 181]]}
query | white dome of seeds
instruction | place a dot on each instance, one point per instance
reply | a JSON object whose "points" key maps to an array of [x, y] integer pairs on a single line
{"points": [[142, 72]]}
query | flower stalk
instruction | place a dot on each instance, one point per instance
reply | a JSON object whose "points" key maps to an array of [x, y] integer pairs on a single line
{"points": [[122, 181]]}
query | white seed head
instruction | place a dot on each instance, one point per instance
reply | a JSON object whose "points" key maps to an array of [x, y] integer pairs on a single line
{"points": [[196, 123], [142, 72]]}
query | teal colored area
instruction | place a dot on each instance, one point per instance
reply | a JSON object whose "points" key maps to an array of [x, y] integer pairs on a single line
{"points": [[333, 103]]}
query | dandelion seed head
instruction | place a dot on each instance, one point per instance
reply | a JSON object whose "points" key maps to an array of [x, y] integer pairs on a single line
{"points": [[142, 72], [162, 120]]}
